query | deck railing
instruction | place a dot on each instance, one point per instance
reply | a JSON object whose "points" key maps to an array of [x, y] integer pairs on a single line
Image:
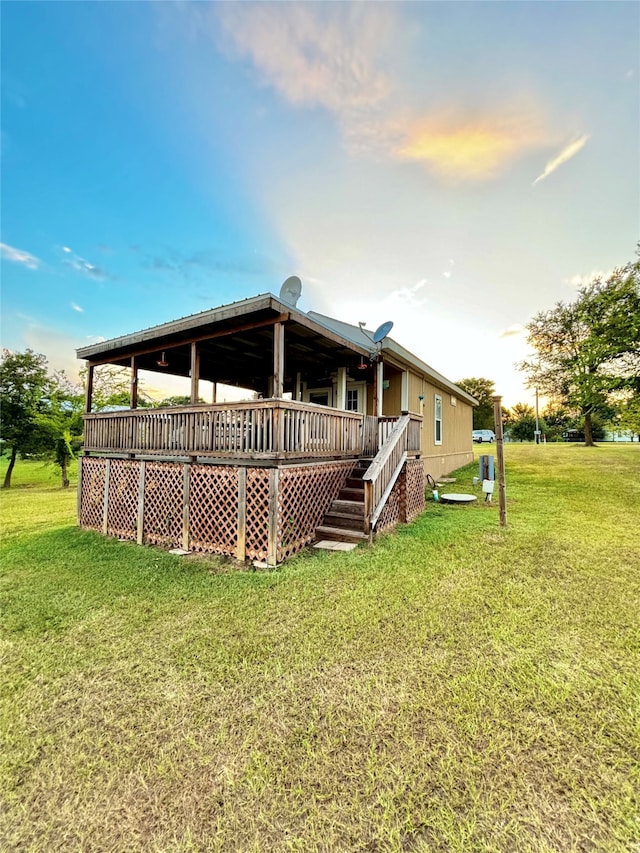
{"points": [[398, 439], [255, 429]]}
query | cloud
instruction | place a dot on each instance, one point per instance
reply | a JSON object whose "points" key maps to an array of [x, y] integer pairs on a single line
{"points": [[512, 331], [81, 265], [201, 263], [564, 156], [408, 295], [580, 280], [339, 57], [77, 308], [462, 147], [325, 55], [19, 256]]}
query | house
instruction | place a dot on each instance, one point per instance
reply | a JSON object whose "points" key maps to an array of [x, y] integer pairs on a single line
{"points": [[334, 439]]}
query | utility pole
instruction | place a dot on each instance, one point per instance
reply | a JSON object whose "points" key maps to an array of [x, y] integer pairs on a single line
{"points": [[497, 416], [537, 420]]}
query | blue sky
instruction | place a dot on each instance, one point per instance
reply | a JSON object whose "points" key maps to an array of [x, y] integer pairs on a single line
{"points": [[453, 167]]}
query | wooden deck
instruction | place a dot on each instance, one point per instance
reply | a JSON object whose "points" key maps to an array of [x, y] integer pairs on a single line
{"points": [[274, 429]]}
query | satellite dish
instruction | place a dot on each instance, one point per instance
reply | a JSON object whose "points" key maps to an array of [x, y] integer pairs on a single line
{"points": [[382, 331], [291, 290]]}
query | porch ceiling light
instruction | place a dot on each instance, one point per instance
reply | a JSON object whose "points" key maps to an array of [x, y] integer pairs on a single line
{"points": [[363, 364], [162, 362]]}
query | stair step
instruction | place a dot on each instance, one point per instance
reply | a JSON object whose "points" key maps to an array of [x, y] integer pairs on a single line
{"points": [[343, 519], [340, 534], [359, 471], [354, 483], [353, 508], [349, 494]]}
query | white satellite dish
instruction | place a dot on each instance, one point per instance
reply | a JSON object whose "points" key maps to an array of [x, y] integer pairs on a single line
{"points": [[382, 331], [291, 290]]}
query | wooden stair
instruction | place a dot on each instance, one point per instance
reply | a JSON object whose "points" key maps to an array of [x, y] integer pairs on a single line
{"points": [[345, 520]]}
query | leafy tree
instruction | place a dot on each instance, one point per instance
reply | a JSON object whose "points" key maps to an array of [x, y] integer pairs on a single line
{"points": [[61, 423], [628, 416], [112, 387], [557, 420], [23, 385], [40, 413], [588, 349], [483, 390], [522, 422], [179, 400]]}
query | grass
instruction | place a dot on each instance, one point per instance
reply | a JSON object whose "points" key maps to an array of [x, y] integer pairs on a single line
{"points": [[457, 687]]}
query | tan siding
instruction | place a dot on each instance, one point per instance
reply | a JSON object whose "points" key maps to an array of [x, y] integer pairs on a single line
{"points": [[392, 397]]}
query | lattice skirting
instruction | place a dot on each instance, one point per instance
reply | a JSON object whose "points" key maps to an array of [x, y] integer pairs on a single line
{"points": [[267, 514], [406, 500], [305, 492]]}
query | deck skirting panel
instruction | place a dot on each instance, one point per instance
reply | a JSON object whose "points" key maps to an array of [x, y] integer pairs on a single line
{"points": [[258, 513]]}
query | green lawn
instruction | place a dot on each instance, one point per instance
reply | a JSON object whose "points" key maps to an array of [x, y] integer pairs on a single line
{"points": [[456, 687]]}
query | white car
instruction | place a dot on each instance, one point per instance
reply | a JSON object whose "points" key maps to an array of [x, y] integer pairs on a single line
{"points": [[480, 435]]}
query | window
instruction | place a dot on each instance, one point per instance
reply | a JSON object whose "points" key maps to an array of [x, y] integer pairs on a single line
{"points": [[352, 400], [437, 418]]}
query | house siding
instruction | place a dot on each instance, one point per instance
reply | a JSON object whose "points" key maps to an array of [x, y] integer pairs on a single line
{"points": [[456, 449]]}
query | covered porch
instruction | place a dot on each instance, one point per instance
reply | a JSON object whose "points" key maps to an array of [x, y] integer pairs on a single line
{"points": [[251, 479]]}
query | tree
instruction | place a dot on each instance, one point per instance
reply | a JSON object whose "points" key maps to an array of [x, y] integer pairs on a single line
{"points": [[179, 400], [587, 350], [483, 390], [522, 422], [40, 414], [23, 385], [112, 387], [61, 423], [628, 416], [557, 419]]}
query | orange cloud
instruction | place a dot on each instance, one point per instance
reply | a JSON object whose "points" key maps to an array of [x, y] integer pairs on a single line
{"points": [[471, 148]]}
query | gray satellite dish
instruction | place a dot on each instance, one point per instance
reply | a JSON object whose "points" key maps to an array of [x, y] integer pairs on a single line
{"points": [[382, 331], [291, 290]]}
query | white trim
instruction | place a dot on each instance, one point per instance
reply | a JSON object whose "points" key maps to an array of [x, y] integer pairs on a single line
{"points": [[404, 391], [380, 389], [437, 398], [361, 388]]}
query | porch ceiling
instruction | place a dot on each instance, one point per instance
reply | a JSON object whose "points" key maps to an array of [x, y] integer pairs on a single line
{"points": [[235, 346]]}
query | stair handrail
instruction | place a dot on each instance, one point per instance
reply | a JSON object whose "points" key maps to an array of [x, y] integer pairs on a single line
{"points": [[380, 477]]}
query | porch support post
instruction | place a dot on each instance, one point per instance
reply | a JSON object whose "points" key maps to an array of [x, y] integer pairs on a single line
{"points": [[214, 396], [341, 402], [186, 484], [134, 382], [378, 389], [272, 521], [89, 388], [140, 526], [105, 504], [278, 360], [195, 371], [242, 514], [298, 396]]}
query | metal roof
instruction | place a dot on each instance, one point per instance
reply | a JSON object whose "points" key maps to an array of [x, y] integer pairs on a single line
{"points": [[315, 342]]}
